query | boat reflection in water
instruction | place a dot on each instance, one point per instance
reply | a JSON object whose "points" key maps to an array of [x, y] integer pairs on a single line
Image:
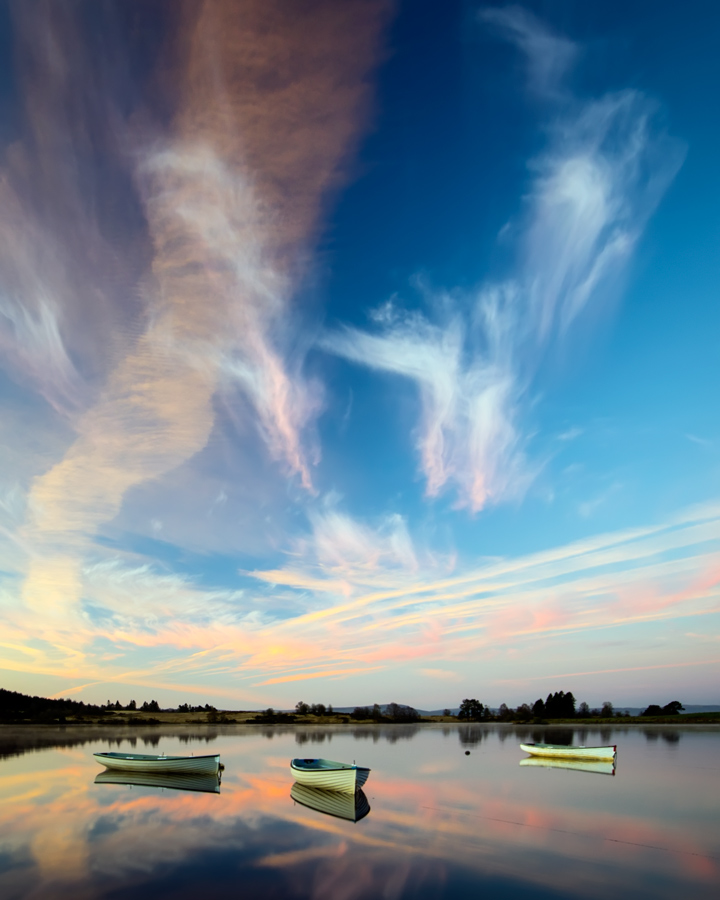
{"points": [[343, 805], [207, 784], [599, 767]]}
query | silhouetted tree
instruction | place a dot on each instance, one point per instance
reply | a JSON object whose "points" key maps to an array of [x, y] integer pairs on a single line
{"points": [[400, 713], [670, 709], [583, 710], [471, 710], [560, 705], [607, 711], [538, 709], [132, 705], [301, 708], [318, 709], [504, 713]]}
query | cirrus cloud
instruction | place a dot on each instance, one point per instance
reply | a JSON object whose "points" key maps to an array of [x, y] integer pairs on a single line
{"points": [[473, 356]]}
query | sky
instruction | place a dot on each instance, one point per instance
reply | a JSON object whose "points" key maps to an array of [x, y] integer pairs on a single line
{"points": [[359, 352]]}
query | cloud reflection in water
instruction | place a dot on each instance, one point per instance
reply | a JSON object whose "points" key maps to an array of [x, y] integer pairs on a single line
{"points": [[441, 823]]}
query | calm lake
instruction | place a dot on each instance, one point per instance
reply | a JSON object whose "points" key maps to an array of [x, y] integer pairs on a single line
{"points": [[440, 823]]}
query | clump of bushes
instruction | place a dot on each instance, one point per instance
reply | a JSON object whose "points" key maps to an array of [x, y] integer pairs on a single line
{"points": [[670, 709]]}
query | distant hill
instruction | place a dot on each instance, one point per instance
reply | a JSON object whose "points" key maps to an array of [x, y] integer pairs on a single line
{"points": [[454, 710], [690, 709], [384, 709]]}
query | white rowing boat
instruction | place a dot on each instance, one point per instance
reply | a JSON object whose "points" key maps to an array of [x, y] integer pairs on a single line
{"points": [[145, 762], [206, 784], [560, 751], [598, 766], [341, 804], [329, 775]]}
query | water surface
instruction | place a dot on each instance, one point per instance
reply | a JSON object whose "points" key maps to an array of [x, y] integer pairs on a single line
{"points": [[440, 823]]}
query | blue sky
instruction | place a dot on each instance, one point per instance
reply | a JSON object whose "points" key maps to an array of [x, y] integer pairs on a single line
{"points": [[359, 353]]}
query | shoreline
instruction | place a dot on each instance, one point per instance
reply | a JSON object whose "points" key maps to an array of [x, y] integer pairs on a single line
{"points": [[19, 739], [251, 719]]}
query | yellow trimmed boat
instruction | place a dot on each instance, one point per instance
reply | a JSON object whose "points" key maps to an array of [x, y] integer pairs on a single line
{"points": [[561, 751], [329, 775], [146, 762]]}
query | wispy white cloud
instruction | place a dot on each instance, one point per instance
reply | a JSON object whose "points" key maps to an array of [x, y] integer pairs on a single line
{"points": [[549, 56], [588, 507], [33, 351], [214, 211], [441, 674], [469, 392], [342, 544], [701, 442], [474, 356], [605, 170], [340, 553], [570, 434]]}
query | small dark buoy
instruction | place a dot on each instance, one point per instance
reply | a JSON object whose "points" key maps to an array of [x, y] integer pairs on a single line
{"points": [[467, 753]]}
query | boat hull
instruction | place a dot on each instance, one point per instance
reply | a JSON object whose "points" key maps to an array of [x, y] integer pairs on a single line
{"points": [[329, 775], [557, 751], [340, 804], [140, 762], [188, 781], [596, 766]]}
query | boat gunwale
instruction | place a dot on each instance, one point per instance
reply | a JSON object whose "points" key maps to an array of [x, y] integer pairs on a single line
{"points": [[340, 767], [570, 747], [152, 757]]}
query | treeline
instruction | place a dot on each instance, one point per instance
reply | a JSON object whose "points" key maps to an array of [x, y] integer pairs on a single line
{"points": [[313, 709], [394, 712], [16, 707], [559, 705], [154, 706]]}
